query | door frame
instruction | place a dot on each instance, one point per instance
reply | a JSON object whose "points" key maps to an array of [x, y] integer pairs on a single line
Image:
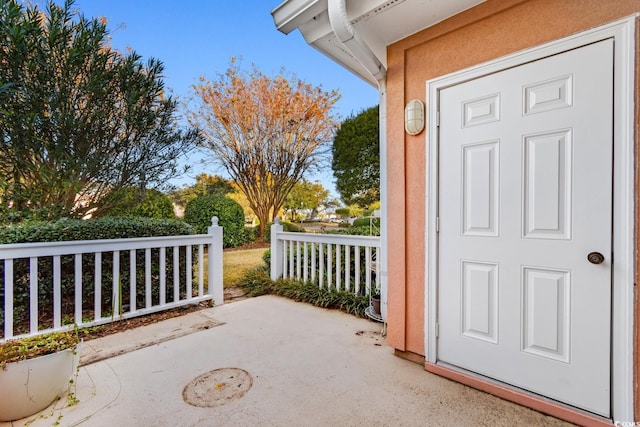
{"points": [[623, 269]]}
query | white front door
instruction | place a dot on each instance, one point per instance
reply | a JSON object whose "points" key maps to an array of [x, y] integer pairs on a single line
{"points": [[525, 194]]}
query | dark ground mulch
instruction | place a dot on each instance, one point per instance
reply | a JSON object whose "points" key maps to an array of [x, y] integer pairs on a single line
{"points": [[230, 295], [252, 245]]}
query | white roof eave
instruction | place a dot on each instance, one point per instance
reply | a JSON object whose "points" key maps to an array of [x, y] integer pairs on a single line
{"points": [[378, 23]]}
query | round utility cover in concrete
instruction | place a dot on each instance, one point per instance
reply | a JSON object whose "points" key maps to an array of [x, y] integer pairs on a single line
{"points": [[217, 387]]}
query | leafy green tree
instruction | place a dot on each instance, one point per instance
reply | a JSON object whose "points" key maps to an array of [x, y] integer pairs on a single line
{"points": [[356, 158], [372, 208], [79, 121], [205, 184], [305, 195], [343, 212], [350, 211]]}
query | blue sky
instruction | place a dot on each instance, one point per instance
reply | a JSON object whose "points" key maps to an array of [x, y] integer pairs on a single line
{"points": [[198, 38]]}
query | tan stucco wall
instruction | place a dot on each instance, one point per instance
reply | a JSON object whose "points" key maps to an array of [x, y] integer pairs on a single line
{"points": [[488, 31]]}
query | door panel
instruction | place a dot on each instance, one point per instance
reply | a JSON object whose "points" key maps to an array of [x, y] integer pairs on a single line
{"points": [[524, 195]]}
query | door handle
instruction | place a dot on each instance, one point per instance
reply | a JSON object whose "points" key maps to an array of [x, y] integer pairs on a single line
{"points": [[595, 258]]}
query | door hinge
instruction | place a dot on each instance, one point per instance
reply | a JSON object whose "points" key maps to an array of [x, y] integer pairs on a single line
{"points": [[437, 329], [437, 224], [437, 118]]}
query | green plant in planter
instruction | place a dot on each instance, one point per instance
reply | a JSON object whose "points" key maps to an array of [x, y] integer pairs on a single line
{"points": [[40, 345]]}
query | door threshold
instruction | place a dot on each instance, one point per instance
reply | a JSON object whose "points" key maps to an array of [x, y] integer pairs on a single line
{"points": [[517, 395]]}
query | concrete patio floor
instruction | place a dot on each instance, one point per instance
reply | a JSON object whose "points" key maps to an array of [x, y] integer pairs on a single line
{"points": [[308, 367]]}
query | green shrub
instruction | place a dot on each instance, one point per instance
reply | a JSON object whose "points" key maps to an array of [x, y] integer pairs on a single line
{"points": [[95, 229], [257, 282], [311, 293], [266, 257], [361, 222], [363, 230], [288, 227], [251, 233], [154, 204], [198, 213]]}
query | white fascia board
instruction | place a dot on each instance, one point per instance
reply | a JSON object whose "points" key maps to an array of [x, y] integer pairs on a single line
{"points": [[291, 14]]}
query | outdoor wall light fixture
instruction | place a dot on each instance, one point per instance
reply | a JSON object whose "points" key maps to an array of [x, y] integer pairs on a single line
{"points": [[414, 117]]}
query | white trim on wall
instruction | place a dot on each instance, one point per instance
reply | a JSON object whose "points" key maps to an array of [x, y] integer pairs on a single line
{"points": [[623, 32], [384, 204]]}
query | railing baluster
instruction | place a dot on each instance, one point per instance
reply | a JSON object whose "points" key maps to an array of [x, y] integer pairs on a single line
{"points": [[347, 267], [8, 299], [313, 261], [57, 295], [321, 266], [78, 289], [298, 261], [367, 277], [176, 274], [188, 273], [291, 259], [357, 253], [338, 266], [147, 278], [285, 259], [201, 270], [163, 275], [97, 287], [329, 266], [33, 295], [305, 270], [133, 286], [116, 291]]}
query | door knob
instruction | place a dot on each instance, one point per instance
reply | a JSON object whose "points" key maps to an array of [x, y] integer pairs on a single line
{"points": [[595, 258]]}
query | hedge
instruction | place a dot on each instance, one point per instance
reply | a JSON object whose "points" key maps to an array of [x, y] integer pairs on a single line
{"points": [[103, 228]]}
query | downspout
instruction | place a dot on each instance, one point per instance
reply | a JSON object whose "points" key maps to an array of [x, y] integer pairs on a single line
{"points": [[347, 35]]}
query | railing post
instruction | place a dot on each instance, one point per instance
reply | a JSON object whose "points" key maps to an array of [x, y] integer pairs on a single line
{"points": [[276, 250], [215, 282]]}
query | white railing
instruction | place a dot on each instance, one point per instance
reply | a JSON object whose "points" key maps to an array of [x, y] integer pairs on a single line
{"points": [[53, 282], [341, 262]]}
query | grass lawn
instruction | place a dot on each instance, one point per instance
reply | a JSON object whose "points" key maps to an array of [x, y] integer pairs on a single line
{"points": [[236, 263]]}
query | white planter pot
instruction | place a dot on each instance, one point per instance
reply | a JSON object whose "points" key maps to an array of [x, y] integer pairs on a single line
{"points": [[29, 386]]}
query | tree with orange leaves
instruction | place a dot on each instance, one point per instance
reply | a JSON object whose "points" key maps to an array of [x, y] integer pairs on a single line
{"points": [[266, 132]]}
